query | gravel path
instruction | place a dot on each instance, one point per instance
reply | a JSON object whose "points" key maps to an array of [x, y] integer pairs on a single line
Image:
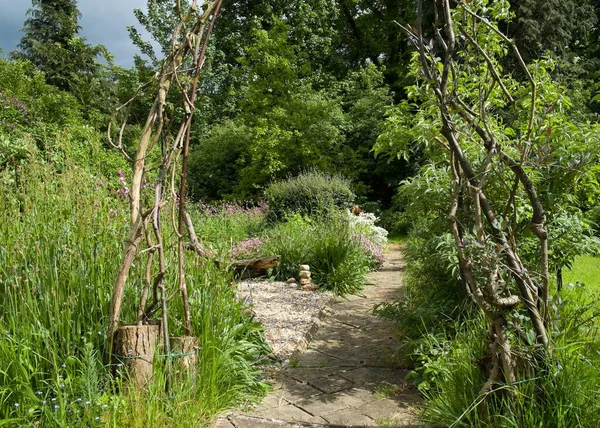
{"points": [[286, 313]]}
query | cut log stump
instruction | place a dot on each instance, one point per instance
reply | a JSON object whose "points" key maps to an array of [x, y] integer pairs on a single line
{"points": [[184, 350], [134, 347]]}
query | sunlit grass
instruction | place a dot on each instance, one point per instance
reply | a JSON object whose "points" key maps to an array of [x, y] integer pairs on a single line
{"points": [[397, 238], [586, 270], [61, 240]]}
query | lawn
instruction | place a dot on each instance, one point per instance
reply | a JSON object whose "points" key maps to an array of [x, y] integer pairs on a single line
{"points": [[586, 270]]}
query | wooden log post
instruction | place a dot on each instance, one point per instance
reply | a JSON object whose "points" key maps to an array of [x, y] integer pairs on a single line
{"points": [[134, 347], [184, 351]]}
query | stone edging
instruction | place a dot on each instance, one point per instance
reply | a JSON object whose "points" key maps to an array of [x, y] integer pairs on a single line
{"points": [[308, 336]]}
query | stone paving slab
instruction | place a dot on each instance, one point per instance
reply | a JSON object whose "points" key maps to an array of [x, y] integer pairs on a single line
{"points": [[348, 375], [290, 413], [350, 417]]}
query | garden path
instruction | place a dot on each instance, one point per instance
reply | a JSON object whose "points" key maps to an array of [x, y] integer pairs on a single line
{"points": [[348, 375]]}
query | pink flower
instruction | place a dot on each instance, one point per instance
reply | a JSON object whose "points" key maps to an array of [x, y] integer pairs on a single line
{"points": [[122, 180], [371, 250], [246, 248]]}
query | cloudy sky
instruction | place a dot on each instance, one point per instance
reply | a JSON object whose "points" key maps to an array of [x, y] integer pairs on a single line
{"points": [[103, 21]]}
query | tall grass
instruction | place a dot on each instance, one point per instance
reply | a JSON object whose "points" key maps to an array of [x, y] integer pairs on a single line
{"points": [[60, 248], [337, 261], [449, 370]]}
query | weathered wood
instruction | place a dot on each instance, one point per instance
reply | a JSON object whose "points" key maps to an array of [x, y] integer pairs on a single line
{"points": [[252, 268], [194, 243], [184, 350], [134, 347]]}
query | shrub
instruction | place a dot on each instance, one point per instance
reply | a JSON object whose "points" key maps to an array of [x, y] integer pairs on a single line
{"points": [[336, 260], [310, 193]]}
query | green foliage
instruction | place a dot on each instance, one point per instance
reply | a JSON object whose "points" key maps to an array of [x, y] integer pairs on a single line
{"points": [[450, 353], [221, 227], [450, 373], [159, 20], [28, 101], [283, 100], [310, 193], [51, 42], [336, 260], [214, 163], [60, 237], [593, 216], [551, 26]]}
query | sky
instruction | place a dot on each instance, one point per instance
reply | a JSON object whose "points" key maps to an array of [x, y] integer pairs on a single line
{"points": [[102, 21]]}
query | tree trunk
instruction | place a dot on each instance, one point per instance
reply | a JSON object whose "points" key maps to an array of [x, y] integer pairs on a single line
{"points": [[253, 268], [134, 347]]}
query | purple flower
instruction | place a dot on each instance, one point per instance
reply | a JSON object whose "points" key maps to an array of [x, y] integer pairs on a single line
{"points": [[122, 180], [246, 248], [123, 192], [371, 250]]}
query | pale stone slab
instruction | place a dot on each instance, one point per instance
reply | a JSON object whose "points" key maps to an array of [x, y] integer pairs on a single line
{"points": [[222, 423], [331, 384], [313, 358], [349, 417], [384, 409], [241, 422], [322, 405], [290, 413]]}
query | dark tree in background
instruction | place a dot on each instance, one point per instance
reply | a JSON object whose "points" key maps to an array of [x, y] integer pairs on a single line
{"points": [[551, 26], [52, 43]]}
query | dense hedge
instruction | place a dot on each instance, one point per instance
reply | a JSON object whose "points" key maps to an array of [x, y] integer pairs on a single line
{"points": [[311, 193]]}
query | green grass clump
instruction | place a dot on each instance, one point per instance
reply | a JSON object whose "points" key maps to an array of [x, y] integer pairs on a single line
{"points": [[61, 241], [311, 193], [336, 259]]}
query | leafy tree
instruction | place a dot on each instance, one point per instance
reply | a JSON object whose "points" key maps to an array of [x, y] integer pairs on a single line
{"points": [[159, 21], [51, 42], [503, 151], [284, 127], [555, 26]]}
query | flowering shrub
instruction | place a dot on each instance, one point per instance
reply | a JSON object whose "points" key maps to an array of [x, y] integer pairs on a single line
{"points": [[372, 250], [364, 224], [371, 239], [227, 208], [246, 249]]}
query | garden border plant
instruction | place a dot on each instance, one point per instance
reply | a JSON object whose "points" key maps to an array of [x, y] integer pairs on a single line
{"points": [[488, 125]]}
